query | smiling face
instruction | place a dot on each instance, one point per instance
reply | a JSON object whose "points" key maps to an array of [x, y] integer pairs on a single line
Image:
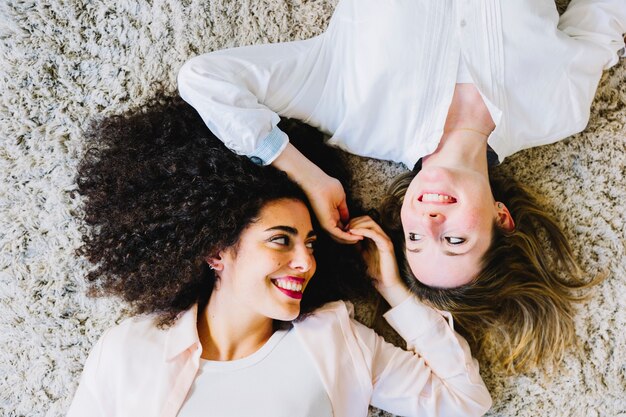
{"points": [[266, 273], [448, 217]]}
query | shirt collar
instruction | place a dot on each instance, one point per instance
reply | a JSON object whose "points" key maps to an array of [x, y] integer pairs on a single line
{"points": [[183, 334]]}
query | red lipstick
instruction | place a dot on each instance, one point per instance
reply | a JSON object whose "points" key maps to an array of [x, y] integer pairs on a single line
{"points": [[294, 286]]}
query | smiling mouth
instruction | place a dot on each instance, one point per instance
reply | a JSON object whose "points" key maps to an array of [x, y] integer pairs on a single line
{"points": [[436, 198], [290, 286]]}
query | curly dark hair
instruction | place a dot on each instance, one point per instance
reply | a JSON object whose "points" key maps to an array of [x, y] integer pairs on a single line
{"points": [[161, 194]]}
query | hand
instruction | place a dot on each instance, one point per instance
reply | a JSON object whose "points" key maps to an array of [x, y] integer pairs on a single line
{"points": [[378, 253], [324, 192], [328, 200]]}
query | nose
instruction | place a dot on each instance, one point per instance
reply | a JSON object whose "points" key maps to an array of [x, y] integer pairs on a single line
{"points": [[431, 222], [303, 259], [434, 217]]}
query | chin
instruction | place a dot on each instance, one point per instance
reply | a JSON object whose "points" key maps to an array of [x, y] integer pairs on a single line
{"points": [[422, 283], [287, 314]]}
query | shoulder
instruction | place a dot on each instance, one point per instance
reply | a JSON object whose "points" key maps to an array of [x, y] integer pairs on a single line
{"points": [[336, 307], [140, 338], [331, 311], [132, 329], [131, 338], [333, 320], [126, 350], [118, 347], [337, 342]]}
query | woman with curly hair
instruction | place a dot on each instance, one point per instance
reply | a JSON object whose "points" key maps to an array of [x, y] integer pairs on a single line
{"points": [[449, 87], [215, 256]]}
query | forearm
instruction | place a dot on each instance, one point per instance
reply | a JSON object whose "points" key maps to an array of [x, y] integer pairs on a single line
{"points": [[240, 92], [455, 384], [325, 193], [394, 294], [297, 166], [229, 99]]}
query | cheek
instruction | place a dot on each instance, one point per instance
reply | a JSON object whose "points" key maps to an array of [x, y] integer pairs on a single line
{"points": [[428, 268], [407, 218], [265, 259], [476, 218], [472, 220], [274, 262], [313, 267]]}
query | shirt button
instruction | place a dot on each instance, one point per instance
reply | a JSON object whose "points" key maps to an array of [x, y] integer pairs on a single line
{"points": [[463, 23], [256, 160]]}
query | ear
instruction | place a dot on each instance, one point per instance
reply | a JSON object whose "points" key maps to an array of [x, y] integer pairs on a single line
{"points": [[504, 220], [215, 262]]}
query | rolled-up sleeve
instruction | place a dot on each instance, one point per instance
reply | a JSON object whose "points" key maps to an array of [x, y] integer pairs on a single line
{"points": [[240, 92], [602, 23]]}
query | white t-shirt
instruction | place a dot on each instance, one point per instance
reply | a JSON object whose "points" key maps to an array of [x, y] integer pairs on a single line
{"points": [[254, 386], [140, 369]]}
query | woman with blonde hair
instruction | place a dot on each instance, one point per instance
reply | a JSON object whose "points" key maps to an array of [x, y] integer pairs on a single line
{"points": [[449, 88]]}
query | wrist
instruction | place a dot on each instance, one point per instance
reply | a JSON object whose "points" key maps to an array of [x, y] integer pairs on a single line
{"points": [[270, 147], [297, 166], [394, 294]]}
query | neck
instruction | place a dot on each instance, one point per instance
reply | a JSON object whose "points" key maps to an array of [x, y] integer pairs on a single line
{"points": [[228, 332], [460, 148]]}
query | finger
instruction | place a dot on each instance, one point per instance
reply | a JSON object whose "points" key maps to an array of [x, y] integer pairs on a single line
{"points": [[365, 222], [344, 214], [381, 240], [344, 237], [362, 221], [355, 222], [343, 241]]}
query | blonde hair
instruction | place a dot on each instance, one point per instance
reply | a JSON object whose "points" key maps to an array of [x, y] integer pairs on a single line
{"points": [[517, 302]]}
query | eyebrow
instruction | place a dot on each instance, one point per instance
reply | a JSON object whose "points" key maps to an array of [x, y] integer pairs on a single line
{"points": [[446, 252], [290, 230]]}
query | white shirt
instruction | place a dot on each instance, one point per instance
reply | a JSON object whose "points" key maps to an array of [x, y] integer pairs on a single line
{"points": [[382, 76], [139, 369], [278, 380]]}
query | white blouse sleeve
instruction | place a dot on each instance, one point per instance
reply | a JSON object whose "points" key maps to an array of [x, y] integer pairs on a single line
{"points": [[437, 377], [240, 92], [602, 23]]}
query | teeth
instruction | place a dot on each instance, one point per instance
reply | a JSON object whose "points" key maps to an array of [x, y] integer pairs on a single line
{"points": [[438, 198], [289, 285]]}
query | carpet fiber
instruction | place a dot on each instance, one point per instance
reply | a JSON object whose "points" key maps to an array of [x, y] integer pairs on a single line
{"points": [[64, 62]]}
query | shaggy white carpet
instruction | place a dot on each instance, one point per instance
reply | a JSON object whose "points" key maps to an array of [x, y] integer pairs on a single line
{"points": [[63, 62]]}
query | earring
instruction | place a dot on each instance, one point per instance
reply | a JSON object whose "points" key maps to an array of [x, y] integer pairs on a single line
{"points": [[212, 267], [499, 205]]}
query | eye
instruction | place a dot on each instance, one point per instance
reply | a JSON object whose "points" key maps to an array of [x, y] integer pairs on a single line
{"points": [[414, 237], [310, 244], [282, 240], [455, 240]]}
